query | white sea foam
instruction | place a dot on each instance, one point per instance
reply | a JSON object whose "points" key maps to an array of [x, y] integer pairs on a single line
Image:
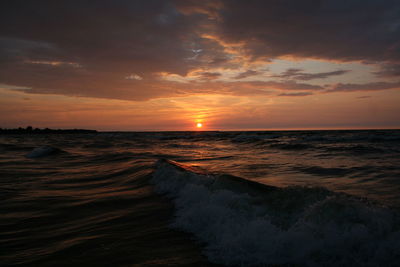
{"points": [[308, 227]]}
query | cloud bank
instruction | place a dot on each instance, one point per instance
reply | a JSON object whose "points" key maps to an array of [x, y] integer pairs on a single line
{"points": [[117, 49]]}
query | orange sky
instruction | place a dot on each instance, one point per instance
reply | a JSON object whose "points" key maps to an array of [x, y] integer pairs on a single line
{"points": [[216, 112]]}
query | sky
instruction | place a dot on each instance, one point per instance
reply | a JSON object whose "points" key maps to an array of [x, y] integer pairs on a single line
{"points": [[165, 65]]}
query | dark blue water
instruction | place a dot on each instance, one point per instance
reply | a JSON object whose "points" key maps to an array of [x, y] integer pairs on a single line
{"points": [[102, 199]]}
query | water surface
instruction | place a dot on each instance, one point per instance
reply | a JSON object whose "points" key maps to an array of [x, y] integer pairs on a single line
{"points": [[88, 199]]}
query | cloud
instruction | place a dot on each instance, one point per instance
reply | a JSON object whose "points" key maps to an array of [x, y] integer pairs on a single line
{"points": [[108, 40], [374, 86], [55, 63], [115, 34], [249, 88], [246, 74], [298, 74], [133, 77], [95, 49], [287, 85], [208, 75], [334, 29], [296, 94], [114, 49], [389, 70]]}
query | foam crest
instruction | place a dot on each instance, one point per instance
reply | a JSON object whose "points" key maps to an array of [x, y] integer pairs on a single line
{"points": [[265, 225]]}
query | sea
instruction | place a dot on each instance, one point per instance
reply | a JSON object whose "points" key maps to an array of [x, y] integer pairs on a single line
{"points": [[261, 198]]}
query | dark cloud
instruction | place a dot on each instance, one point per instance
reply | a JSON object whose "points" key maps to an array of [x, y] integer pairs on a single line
{"points": [[287, 85], [210, 8], [246, 74], [241, 87], [373, 86], [116, 49], [252, 88], [332, 29], [389, 70], [296, 94], [89, 48], [208, 75], [113, 35], [298, 74]]}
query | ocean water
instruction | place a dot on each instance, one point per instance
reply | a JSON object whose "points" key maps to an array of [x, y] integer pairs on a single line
{"points": [[301, 198]]}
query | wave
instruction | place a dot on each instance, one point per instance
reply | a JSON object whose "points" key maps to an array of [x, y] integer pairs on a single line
{"points": [[367, 136], [43, 151], [332, 172], [184, 146], [241, 222], [357, 149], [291, 146], [13, 147]]}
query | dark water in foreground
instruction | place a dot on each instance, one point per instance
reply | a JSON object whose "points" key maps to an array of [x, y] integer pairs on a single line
{"points": [[90, 199]]}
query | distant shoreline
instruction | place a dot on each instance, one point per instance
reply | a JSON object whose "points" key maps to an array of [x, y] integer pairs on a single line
{"points": [[30, 130]]}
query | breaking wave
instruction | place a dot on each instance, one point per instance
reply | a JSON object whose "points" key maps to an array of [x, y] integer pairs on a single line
{"points": [[241, 222]]}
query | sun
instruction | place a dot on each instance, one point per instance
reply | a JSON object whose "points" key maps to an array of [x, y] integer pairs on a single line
{"points": [[199, 125]]}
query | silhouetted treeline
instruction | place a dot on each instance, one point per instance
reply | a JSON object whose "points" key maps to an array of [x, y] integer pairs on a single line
{"points": [[31, 130]]}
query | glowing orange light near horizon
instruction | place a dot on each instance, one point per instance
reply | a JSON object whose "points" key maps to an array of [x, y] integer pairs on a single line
{"points": [[199, 125]]}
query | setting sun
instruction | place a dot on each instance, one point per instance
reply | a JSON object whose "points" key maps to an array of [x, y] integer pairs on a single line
{"points": [[199, 125]]}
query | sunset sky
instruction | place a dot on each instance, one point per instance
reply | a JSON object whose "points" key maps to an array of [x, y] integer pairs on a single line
{"points": [[230, 65]]}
